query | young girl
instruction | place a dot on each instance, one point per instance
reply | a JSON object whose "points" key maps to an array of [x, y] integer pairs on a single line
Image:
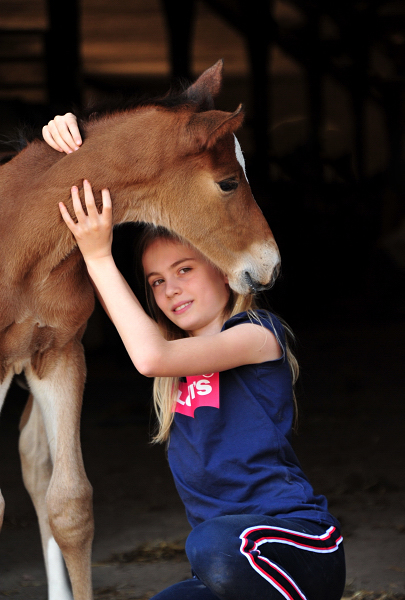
{"points": [[224, 399]]}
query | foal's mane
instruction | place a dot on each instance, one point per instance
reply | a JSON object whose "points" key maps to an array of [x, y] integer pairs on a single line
{"points": [[176, 99]]}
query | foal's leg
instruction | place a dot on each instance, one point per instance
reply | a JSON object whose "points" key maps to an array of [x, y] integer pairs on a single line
{"points": [[36, 466], [69, 495], [3, 391]]}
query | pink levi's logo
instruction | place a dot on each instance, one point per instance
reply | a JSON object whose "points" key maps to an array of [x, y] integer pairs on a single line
{"points": [[199, 390]]}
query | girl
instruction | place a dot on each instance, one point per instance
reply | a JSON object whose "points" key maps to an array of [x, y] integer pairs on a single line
{"points": [[224, 399]]}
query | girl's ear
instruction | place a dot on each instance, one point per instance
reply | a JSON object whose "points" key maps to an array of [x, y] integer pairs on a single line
{"points": [[207, 128]]}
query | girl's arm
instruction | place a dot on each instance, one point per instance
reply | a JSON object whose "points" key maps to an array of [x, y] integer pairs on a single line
{"points": [[151, 354], [62, 133]]}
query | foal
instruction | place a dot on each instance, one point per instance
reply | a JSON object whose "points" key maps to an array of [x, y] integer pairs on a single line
{"points": [[173, 162]]}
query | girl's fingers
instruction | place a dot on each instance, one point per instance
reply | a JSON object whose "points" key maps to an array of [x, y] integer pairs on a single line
{"points": [[77, 205], [71, 122], [93, 231], [54, 137], [47, 135], [89, 200], [93, 214], [107, 204], [93, 218], [62, 133], [66, 216], [105, 215]]}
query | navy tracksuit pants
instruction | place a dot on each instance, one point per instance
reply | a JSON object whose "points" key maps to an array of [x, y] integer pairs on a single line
{"points": [[254, 557]]}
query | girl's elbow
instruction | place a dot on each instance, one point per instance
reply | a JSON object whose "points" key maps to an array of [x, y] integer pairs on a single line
{"points": [[148, 366], [150, 360], [147, 372]]}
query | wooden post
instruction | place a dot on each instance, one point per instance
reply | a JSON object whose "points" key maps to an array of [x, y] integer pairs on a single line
{"points": [[179, 17], [62, 50]]}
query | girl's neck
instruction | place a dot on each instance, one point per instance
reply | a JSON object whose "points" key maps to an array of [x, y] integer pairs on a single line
{"points": [[212, 328]]}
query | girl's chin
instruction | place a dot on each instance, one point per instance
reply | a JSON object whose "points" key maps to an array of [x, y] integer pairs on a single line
{"points": [[181, 320]]}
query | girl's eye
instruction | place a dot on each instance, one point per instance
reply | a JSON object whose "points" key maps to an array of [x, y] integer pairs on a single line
{"points": [[228, 185], [156, 282], [185, 269]]}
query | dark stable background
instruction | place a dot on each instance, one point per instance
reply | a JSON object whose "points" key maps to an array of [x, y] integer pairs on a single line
{"points": [[323, 88]]}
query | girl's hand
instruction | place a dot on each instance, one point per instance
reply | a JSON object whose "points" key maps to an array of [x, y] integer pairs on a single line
{"points": [[93, 232], [62, 133]]}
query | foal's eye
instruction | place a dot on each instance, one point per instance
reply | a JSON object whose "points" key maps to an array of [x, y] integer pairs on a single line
{"points": [[228, 185]]}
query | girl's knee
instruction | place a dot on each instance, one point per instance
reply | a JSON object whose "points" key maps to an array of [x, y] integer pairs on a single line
{"points": [[213, 552], [208, 538]]}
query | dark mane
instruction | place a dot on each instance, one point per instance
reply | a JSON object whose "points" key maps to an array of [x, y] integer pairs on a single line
{"points": [[174, 99], [120, 102]]}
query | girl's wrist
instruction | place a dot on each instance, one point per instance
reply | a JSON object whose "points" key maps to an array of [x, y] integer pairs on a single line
{"points": [[99, 263]]}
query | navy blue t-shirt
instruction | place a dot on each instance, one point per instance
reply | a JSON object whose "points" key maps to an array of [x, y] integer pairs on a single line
{"points": [[238, 459]]}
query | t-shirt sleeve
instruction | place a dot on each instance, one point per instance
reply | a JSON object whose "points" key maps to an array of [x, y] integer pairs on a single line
{"points": [[263, 318]]}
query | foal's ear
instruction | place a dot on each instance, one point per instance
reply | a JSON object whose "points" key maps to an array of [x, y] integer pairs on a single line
{"points": [[206, 87], [208, 127]]}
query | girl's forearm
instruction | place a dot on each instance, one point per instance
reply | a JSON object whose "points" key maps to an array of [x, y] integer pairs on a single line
{"points": [[139, 333], [100, 297]]}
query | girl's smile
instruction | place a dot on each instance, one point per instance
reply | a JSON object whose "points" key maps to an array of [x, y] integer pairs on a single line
{"points": [[182, 307], [188, 289]]}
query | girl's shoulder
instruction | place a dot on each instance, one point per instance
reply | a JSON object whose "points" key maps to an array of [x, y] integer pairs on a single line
{"points": [[259, 317]]}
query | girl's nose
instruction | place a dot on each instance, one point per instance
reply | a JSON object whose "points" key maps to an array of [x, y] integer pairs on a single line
{"points": [[172, 289]]}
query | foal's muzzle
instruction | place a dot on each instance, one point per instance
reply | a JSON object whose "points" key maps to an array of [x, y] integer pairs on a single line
{"points": [[255, 286]]}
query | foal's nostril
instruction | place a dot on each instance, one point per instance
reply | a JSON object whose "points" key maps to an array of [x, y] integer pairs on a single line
{"points": [[250, 283], [254, 286]]}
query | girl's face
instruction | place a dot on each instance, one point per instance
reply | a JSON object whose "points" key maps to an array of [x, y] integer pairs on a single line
{"points": [[187, 288]]}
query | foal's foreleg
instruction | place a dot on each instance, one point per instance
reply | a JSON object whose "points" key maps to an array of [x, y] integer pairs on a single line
{"points": [[2, 506], [4, 385], [69, 495], [36, 467]]}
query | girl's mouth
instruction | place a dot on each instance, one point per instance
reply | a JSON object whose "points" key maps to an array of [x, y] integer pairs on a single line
{"points": [[182, 307]]}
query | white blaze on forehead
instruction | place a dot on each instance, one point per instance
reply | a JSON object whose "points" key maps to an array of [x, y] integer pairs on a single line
{"points": [[239, 155]]}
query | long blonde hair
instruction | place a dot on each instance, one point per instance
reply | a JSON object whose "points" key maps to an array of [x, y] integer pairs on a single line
{"points": [[165, 389]]}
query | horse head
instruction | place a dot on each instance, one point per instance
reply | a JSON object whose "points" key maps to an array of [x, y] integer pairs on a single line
{"points": [[176, 162]]}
